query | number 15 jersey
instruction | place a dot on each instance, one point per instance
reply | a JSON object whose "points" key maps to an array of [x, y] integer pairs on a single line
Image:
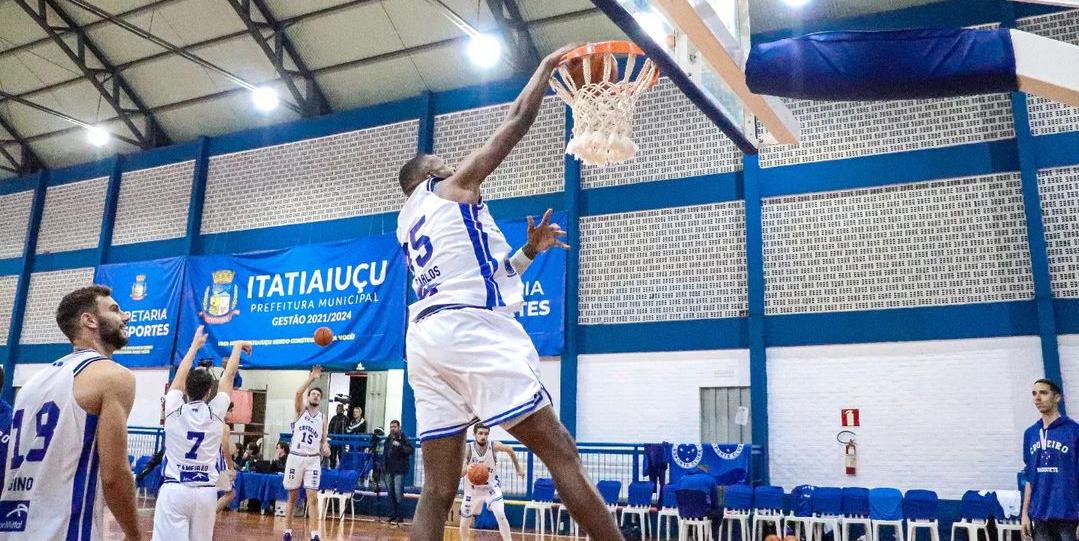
{"points": [[52, 489], [193, 439], [456, 253]]}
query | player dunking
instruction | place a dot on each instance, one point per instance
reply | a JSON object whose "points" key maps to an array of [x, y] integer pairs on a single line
{"points": [[485, 452], [468, 359], [68, 445], [187, 502], [308, 446]]}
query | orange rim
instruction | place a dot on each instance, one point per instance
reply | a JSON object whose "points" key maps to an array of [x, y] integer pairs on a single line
{"points": [[603, 47], [612, 47]]}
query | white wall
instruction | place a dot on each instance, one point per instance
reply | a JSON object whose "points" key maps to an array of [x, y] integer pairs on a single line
{"points": [[1068, 345], [650, 397], [942, 415]]}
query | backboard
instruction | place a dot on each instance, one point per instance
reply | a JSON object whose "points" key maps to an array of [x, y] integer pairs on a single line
{"points": [[702, 45]]}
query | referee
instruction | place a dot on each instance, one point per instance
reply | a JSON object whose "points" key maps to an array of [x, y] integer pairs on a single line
{"points": [[1050, 448]]}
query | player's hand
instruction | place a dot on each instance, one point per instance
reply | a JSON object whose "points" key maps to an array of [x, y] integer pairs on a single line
{"points": [[325, 449], [543, 236], [199, 339], [1024, 526], [316, 372], [243, 345], [521, 475], [554, 58]]}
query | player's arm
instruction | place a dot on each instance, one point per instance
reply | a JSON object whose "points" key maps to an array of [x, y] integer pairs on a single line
{"points": [[179, 381], [226, 435], [506, 449], [464, 462], [325, 437], [464, 185], [224, 385], [316, 372], [117, 391], [540, 238]]}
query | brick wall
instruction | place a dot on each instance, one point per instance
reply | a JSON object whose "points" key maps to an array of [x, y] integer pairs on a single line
{"points": [[72, 218], [153, 204], [14, 219], [46, 290]]}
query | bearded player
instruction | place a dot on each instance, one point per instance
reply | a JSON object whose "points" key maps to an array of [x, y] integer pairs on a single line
{"points": [[484, 452], [308, 446], [469, 360]]}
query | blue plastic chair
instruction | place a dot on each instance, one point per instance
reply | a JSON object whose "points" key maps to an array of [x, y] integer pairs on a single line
{"points": [[856, 510], [886, 511], [920, 509], [610, 491], [693, 508], [668, 511], [639, 504], [974, 510], [542, 503], [737, 509], [800, 521], [767, 509], [827, 505]]}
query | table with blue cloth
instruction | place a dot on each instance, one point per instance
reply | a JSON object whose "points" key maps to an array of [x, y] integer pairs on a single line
{"points": [[267, 488]]}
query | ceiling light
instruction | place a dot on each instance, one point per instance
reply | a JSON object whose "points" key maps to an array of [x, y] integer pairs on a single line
{"points": [[484, 50], [265, 99], [796, 3], [97, 136]]}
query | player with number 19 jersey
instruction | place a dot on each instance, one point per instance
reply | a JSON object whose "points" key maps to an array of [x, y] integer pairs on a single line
{"points": [[52, 489]]}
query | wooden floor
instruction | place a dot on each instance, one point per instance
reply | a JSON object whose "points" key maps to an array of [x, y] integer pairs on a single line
{"points": [[241, 526]]}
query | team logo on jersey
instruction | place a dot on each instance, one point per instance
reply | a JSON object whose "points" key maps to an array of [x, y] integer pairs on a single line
{"points": [[687, 455], [138, 289], [731, 455], [13, 515], [219, 300]]}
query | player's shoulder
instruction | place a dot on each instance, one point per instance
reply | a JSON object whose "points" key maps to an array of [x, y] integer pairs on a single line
{"points": [[102, 380]]}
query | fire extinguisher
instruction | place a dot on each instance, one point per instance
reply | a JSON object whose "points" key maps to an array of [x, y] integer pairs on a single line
{"points": [[850, 458]]}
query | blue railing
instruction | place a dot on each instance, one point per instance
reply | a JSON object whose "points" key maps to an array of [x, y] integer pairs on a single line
{"points": [[144, 440], [622, 462]]}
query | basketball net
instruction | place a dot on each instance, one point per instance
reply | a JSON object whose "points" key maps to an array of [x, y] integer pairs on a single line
{"points": [[603, 110]]}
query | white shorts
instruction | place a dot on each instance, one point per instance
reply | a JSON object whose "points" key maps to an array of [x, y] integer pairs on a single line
{"points": [[185, 513], [307, 469], [470, 364], [490, 494]]}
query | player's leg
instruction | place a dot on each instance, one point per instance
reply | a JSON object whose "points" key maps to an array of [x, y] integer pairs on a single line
{"points": [[170, 519], [225, 500], [468, 502], [498, 508], [204, 503], [544, 435], [442, 473], [311, 480], [289, 506], [292, 481]]}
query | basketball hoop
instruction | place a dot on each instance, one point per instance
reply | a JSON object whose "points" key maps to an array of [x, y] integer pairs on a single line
{"points": [[587, 79]]}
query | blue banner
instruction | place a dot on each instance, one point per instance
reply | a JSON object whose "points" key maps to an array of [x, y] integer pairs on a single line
{"points": [[543, 311], [278, 298], [730, 464], [150, 292]]}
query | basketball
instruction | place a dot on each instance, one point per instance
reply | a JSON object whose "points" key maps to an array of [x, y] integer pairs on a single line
{"points": [[595, 63], [478, 474], [323, 336]]}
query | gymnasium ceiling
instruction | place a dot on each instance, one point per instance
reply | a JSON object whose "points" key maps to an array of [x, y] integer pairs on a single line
{"points": [[357, 52]]}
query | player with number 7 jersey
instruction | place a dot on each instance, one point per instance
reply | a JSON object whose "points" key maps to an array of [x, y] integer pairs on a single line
{"points": [[194, 422]]}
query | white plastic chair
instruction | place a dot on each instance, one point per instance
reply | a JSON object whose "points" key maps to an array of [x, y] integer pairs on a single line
{"points": [[571, 525], [542, 505], [701, 528]]}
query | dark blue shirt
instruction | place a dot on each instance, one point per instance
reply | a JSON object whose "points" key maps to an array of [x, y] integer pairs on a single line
{"points": [[1052, 469], [701, 482], [5, 430]]}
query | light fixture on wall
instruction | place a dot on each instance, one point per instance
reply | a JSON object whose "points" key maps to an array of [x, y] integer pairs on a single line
{"points": [[97, 136], [484, 50], [265, 99]]}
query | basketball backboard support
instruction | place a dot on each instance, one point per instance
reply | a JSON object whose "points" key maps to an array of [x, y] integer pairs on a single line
{"points": [[702, 45]]}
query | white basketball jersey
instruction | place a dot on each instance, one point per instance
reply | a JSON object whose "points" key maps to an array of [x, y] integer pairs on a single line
{"points": [[193, 439], [52, 490], [485, 456], [307, 434], [456, 253]]}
